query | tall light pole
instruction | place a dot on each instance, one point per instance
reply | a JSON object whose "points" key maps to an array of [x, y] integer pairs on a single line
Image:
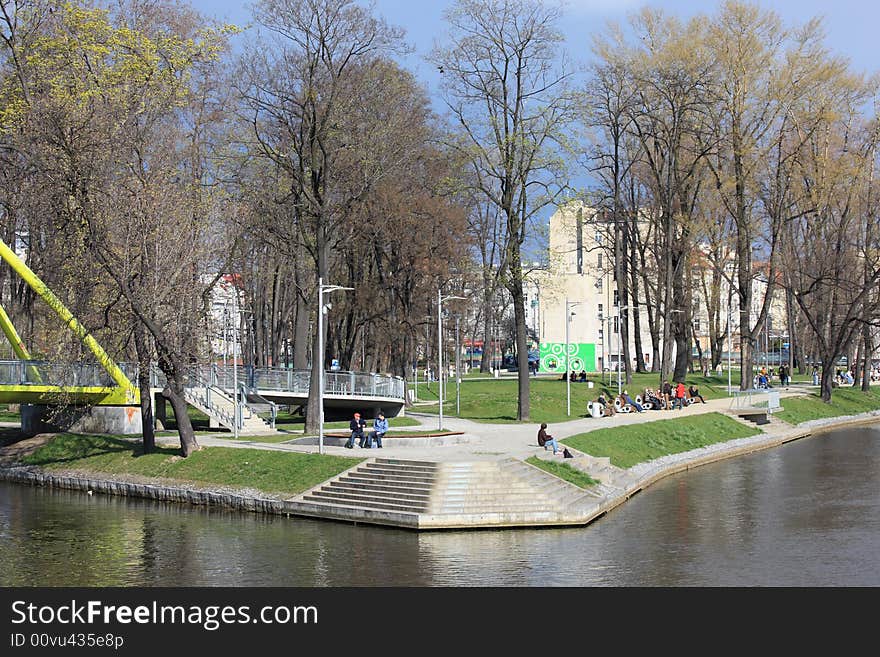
{"points": [[235, 319], [321, 310], [457, 370], [619, 384], [440, 300], [568, 316], [729, 346]]}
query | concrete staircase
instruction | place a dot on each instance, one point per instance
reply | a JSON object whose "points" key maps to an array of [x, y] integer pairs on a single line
{"points": [[422, 494], [220, 408], [382, 491]]}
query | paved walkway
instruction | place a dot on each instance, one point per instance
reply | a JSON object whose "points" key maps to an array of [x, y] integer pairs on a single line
{"points": [[484, 441]]}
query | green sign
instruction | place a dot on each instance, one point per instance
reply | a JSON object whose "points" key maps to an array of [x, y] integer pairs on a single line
{"points": [[582, 357]]}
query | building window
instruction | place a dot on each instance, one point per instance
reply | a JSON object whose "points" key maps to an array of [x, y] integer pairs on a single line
{"points": [[601, 311], [697, 325], [601, 335], [616, 324], [616, 298], [599, 262], [599, 284], [598, 237]]}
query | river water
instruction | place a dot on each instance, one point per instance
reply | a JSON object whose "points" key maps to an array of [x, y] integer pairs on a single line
{"points": [[804, 514]]}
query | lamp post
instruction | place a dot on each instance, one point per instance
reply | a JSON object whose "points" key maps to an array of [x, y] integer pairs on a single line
{"points": [[457, 370], [568, 316], [619, 384], [440, 300], [729, 346], [236, 320], [321, 310]]}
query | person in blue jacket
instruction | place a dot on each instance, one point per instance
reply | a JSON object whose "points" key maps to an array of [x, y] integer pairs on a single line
{"points": [[380, 428]]}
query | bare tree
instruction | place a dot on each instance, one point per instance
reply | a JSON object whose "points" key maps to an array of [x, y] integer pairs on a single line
{"points": [[505, 86]]}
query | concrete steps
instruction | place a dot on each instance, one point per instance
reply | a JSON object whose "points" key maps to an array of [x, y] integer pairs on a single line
{"points": [[382, 484], [420, 494], [221, 410]]}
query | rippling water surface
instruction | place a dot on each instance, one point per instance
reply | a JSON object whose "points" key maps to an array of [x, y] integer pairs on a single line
{"points": [[804, 514]]}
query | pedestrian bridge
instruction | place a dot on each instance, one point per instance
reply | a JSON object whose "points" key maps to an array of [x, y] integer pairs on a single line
{"points": [[210, 388]]}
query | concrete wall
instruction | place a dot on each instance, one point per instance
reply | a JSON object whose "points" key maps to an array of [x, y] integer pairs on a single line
{"points": [[119, 420]]}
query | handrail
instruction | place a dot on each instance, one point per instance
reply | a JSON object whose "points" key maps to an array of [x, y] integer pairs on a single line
{"points": [[218, 378]]}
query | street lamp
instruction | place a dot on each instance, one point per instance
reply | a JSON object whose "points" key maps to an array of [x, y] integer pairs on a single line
{"points": [[568, 316], [728, 345], [236, 319], [321, 310], [619, 308], [440, 300]]}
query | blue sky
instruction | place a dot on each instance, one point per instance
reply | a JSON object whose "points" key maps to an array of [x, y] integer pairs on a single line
{"points": [[851, 25]]}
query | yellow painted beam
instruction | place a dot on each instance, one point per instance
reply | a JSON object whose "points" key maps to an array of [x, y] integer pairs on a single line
{"points": [[12, 335], [36, 394], [61, 310]]}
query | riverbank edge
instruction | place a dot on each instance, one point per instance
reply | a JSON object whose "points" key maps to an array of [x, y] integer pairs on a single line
{"points": [[637, 478]]}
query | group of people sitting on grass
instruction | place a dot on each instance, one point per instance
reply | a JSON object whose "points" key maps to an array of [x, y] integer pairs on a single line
{"points": [[666, 397], [574, 377]]}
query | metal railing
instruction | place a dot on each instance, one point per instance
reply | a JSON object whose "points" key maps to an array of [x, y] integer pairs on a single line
{"points": [[44, 373], [755, 398], [354, 384]]}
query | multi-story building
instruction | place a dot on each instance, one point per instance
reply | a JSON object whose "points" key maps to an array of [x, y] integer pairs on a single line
{"points": [[579, 304]]}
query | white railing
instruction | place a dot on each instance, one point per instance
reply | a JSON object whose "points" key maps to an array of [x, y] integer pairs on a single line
{"points": [[755, 398], [353, 384]]}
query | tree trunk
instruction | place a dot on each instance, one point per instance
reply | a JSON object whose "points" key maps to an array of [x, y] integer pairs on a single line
{"points": [[522, 350], [318, 355], [825, 381], [143, 356], [486, 360]]}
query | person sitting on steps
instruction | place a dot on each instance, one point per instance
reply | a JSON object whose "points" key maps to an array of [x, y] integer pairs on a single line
{"points": [[545, 440]]}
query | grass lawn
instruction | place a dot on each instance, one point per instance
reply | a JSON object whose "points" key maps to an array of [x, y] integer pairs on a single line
{"points": [[7, 415], [200, 421], [272, 472], [637, 443], [564, 471], [495, 400], [844, 401]]}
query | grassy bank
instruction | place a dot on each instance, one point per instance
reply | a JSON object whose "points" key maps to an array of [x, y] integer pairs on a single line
{"points": [[269, 471], [564, 471], [495, 400], [844, 401], [637, 443]]}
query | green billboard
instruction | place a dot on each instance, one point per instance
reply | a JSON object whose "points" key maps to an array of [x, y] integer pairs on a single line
{"points": [[551, 357]]}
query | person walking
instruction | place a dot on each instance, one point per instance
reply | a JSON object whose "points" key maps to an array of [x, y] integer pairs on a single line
{"points": [[356, 425], [380, 428], [545, 440]]}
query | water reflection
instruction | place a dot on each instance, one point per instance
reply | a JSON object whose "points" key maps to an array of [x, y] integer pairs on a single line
{"points": [[807, 513]]}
